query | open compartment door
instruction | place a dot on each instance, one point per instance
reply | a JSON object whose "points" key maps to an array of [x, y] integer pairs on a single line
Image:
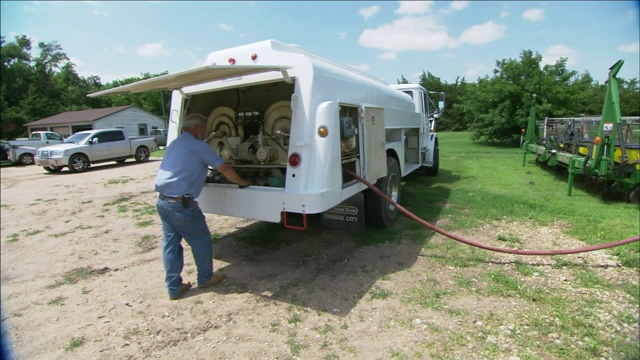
{"points": [[375, 154], [191, 77]]}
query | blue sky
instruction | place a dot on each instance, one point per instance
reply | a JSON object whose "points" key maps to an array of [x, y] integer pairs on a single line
{"points": [[387, 39]]}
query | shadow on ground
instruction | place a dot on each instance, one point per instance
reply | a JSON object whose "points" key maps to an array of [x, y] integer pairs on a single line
{"points": [[320, 268]]}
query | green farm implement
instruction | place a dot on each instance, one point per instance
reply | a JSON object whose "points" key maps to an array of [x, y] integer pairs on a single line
{"points": [[605, 150]]}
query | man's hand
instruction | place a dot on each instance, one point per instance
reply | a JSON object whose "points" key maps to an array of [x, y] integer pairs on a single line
{"points": [[243, 184]]}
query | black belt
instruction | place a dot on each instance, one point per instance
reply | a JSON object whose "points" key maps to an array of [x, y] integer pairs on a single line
{"points": [[185, 199]]}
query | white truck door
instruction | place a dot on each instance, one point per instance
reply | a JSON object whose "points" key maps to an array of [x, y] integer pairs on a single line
{"points": [[375, 152]]}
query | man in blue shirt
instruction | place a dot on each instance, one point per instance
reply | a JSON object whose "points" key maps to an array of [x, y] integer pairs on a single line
{"points": [[181, 177]]}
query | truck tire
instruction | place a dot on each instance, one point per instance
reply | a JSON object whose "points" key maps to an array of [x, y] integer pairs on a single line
{"points": [[52, 169], [142, 154], [433, 170], [26, 159], [78, 163], [379, 212]]}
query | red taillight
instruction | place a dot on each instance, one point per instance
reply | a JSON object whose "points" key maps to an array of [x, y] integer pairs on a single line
{"points": [[232, 61], [294, 160], [254, 56]]}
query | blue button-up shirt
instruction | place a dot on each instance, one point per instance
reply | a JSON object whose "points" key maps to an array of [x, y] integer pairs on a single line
{"points": [[184, 167]]}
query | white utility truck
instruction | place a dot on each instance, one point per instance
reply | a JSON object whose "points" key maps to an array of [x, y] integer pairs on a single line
{"points": [[291, 122]]}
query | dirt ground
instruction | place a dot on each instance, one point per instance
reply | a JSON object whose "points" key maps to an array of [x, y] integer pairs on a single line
{"points": [[82, 278]]}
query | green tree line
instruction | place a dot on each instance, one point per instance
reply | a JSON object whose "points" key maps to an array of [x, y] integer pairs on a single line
{"points": [[33, 88], [494, 108]]}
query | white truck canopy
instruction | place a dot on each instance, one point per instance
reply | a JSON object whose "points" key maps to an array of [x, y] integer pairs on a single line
{"points": [[195, 76]]}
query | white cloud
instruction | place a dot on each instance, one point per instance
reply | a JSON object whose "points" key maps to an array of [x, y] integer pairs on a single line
{"points": [[369, 11], [152, 50], [414, 7], [76, 61], [631, 48], [408, 33], [362, 67], [473, 71], [448, 56], [99, 13], [555, 52], [342, 35], [118, 50], [533, 14], [483, 33], [504, 14], [27, 8], [226, 27], [459, 5], [387, 55]]}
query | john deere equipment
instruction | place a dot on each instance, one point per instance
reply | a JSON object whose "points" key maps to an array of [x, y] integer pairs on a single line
{"points": [[605, 151]]}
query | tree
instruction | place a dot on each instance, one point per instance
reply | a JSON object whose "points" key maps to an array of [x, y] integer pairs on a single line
{"points": [[15, 81], [155, 102], [500, 105]]}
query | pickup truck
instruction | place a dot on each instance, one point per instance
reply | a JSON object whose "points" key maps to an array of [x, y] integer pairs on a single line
{"points": [[84, 148], [17, 154], [38, 139], [160, 135]]}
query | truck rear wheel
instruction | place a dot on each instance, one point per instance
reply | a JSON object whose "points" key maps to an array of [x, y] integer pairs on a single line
{"points": [[78, 163], [26, 159], [142, 154], [380, 213]]}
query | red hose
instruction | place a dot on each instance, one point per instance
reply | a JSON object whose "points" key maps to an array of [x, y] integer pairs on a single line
{"points": [[488, 247]]}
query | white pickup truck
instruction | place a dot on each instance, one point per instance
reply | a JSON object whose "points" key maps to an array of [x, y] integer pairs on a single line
{"points": [[17, 154], [84, 148], [38, 139]]}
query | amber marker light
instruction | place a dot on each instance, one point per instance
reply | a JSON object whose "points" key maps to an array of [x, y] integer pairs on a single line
{"points": [[323, 132], [597, 140]]}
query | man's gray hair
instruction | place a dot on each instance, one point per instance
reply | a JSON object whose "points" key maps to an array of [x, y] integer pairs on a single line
{"points": [[193, 120]]}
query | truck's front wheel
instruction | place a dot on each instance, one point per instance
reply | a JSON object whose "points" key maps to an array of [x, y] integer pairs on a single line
{"points": [[52, 169], [380, 213], [142, 154], [78, 163], [433, 170]]}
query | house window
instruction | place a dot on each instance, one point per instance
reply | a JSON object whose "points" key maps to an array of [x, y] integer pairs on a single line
{"points": [[142, 129]]}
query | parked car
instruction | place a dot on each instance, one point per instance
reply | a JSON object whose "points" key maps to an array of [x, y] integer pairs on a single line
{"points": [[38, 139], [160, 135], [22, 155], [84, 148]]}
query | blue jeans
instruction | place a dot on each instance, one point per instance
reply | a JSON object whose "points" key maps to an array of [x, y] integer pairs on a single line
{"points": [[190, 224]]}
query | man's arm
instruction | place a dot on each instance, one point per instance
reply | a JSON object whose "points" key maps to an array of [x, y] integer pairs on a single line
{"points": [[232, 175]]}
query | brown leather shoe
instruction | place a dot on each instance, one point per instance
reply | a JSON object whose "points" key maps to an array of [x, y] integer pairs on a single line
{"points": [[215, 279], [183, 290]]}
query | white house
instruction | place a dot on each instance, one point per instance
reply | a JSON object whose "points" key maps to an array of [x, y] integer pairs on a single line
{"points": [[134, 121]]}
